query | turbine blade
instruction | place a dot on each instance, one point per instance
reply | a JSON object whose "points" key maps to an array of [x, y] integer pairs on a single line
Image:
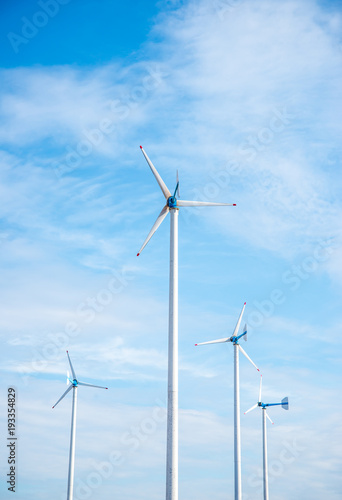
{"points": [[66, 392], [249, 359], [268, 417], [239, 321], [159, 220], [71, 367], [253, 408], [184, 203], [260, 388], [160, 181], [177, 184], [90, 385], [218, 341], [285, 403]]}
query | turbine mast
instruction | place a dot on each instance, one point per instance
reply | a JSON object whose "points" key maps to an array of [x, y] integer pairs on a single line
{"points": [[172, 420], [72, 444], [75, 383], [264, 440], [237, 434], [172, 207], [285, 405]]}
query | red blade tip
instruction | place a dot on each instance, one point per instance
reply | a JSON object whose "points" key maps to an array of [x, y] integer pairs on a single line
{"points": [[244, 303], [234, 204], [196, 344], [258, 369], [140, 147], [138, 254]]}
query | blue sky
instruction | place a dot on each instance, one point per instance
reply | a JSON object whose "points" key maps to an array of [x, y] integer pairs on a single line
{"points": [[242, 98]]}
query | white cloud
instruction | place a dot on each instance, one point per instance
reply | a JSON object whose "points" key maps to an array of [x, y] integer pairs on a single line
{"points": [[254, 83], [244, 69]]}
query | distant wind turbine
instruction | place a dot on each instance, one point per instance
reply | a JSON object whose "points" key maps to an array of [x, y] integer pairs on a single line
{"points": [[237, 439], [284, 404], [172, 205], [74, 384]]}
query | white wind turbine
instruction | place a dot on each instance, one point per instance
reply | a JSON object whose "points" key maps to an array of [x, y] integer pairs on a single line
{"points": [[74, 384], [285, 405], [237, 439], [172, 205]]}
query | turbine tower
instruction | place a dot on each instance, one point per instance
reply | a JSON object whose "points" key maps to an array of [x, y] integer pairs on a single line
{"points": [[74, 384], [237, 438], [285, 405], [172, 205]]}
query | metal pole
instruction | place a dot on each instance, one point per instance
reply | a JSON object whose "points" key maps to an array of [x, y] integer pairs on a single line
{"points": [[237, 439], [72, 445], [172, 405], [264, 436]]}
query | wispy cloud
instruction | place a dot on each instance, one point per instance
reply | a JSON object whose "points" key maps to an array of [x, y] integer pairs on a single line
{"points": [[244, 99]]}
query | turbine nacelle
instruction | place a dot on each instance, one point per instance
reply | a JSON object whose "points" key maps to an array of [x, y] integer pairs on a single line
{"points": [[284, 404]]}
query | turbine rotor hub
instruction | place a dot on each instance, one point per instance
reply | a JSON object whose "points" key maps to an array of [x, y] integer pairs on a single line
{"points": [[172, 202]]}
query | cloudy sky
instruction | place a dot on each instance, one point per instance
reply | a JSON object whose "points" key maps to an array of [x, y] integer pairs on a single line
{"points": [[244, 99]]}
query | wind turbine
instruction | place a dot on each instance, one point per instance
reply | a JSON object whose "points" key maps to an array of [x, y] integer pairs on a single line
{"points": [[172, 206], [237, 438], [74, 384], [285, 405]]}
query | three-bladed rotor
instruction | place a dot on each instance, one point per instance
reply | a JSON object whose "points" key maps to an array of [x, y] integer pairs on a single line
{"points": [[75, 383], [234, 338], [284, 403], [172, 202]]}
